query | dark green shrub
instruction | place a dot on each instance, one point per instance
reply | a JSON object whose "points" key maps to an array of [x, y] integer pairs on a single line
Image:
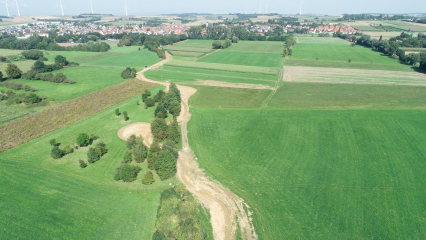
{"points": [[160, 111], [149, 102], [68, 150], [92, 155], [117, 112], [13, 71], [127, 173], [145, 95], [126, 117], [165, 165], [148, 179], [127, 157], [140, 151], [151, 163], [56, 153], [101, 149], [159, 129], [83, 140], [53, 142]]}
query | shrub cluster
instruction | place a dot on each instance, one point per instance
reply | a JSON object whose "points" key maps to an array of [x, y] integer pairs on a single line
{"points": [[33, 54], [128, 73], [94, 154], [288, 48], [13, 71], [49, 77], [137, 149], [127, 173], [19, 86], [56, 152], [222, 45]]}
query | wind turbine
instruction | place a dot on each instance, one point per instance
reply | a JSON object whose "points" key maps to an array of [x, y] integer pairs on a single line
{"points": [[17, 7], [62, 8], [246, 9], [266, 11], [300, 8], [125, 5], [7, 7], [91, 5], [260, 8]]}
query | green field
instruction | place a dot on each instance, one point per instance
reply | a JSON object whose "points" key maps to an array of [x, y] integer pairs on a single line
{"points": [[245, 58], [252, 46], [55, 199], [9, 113], [88, 80], [319, 174], [191, 75], [326, 49]]}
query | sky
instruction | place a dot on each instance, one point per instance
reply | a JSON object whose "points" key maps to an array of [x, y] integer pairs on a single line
{"points": [[138, 7]]}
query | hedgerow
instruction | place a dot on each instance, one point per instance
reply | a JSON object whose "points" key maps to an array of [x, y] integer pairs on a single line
{"points": [[25, 129]]}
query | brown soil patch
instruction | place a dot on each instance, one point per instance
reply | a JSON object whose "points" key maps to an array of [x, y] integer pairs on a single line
{"points": [[353, 76], [139, 129]]}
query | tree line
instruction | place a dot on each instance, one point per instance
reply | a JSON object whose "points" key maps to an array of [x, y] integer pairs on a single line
{"points": [[48, 43], [392, 46]]}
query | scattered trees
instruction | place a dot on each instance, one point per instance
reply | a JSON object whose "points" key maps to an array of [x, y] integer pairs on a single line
{"points": [[165, 165]]}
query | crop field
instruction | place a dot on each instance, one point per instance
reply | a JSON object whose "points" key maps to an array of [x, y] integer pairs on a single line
{"points": [[191, 48], [225, 67], [304, 95], [336, 75], [190, 76], [403, 25], [138, 60], [252, 46], [220, 97], [186, 53], [326, 49], [23, 130], [273, 60], [56, 199], [9, 113]]}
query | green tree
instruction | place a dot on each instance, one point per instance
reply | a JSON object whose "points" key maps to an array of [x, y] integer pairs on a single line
{"points": [[117, 112], [159, 96], [174, 133], [127, 157], [38, 66], [131, 141], [101, 149], [235, 39], [217, 45], [83, 139], [33, 54], [148, 179], [413, 58], [32, 98], [228, 43], [159, 129], [56, 153], [145, 95], [126, 117], [140, 152], [13, 71], [82, 164], [1, 76], [175, 108], [92, 155], [61, 60], [149, 102], [127, 173], [160, 111], [165, 165]]}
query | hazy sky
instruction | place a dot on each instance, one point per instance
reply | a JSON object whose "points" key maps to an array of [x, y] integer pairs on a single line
{"points": [[138, 7]]}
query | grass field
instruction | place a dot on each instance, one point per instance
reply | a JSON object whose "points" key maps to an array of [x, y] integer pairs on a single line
{"points": [[23, 65], [251, 46], [51, 199], [9, 113], [88, 80], [319, 174]]}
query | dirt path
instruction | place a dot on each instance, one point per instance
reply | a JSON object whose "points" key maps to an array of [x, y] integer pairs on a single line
{"points": [[139, 129], [227, 210]]}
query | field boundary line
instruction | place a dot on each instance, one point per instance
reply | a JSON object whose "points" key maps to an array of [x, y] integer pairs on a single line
{"points": [[280, 77]]}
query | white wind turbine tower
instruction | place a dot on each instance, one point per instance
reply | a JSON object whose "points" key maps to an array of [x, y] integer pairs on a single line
{"points": [[260, 8], [266, 11], [62, 8], [246, 9], [300, 8], [125, 5], [7, 7], [17, 7], [91, 5]]}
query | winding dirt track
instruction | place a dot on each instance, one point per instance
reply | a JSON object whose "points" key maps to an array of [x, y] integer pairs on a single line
{"points": [[227, 210]]}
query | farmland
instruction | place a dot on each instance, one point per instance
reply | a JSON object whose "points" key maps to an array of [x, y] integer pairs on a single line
{"points": [[46, 198], [36, 125]]}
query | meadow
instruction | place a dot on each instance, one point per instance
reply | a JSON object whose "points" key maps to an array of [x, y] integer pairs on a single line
{"points": [[9, 113], [51, 199], [257, 59]]}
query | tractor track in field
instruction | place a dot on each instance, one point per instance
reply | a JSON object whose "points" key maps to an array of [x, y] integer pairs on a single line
{"points": [[227, 210]]}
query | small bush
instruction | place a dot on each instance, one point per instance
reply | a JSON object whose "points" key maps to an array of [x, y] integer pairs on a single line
{"points": [[149, 102], [92, 156], [126, 117], [148, 179], [68, 150], [127, 157], [82, 164]]}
